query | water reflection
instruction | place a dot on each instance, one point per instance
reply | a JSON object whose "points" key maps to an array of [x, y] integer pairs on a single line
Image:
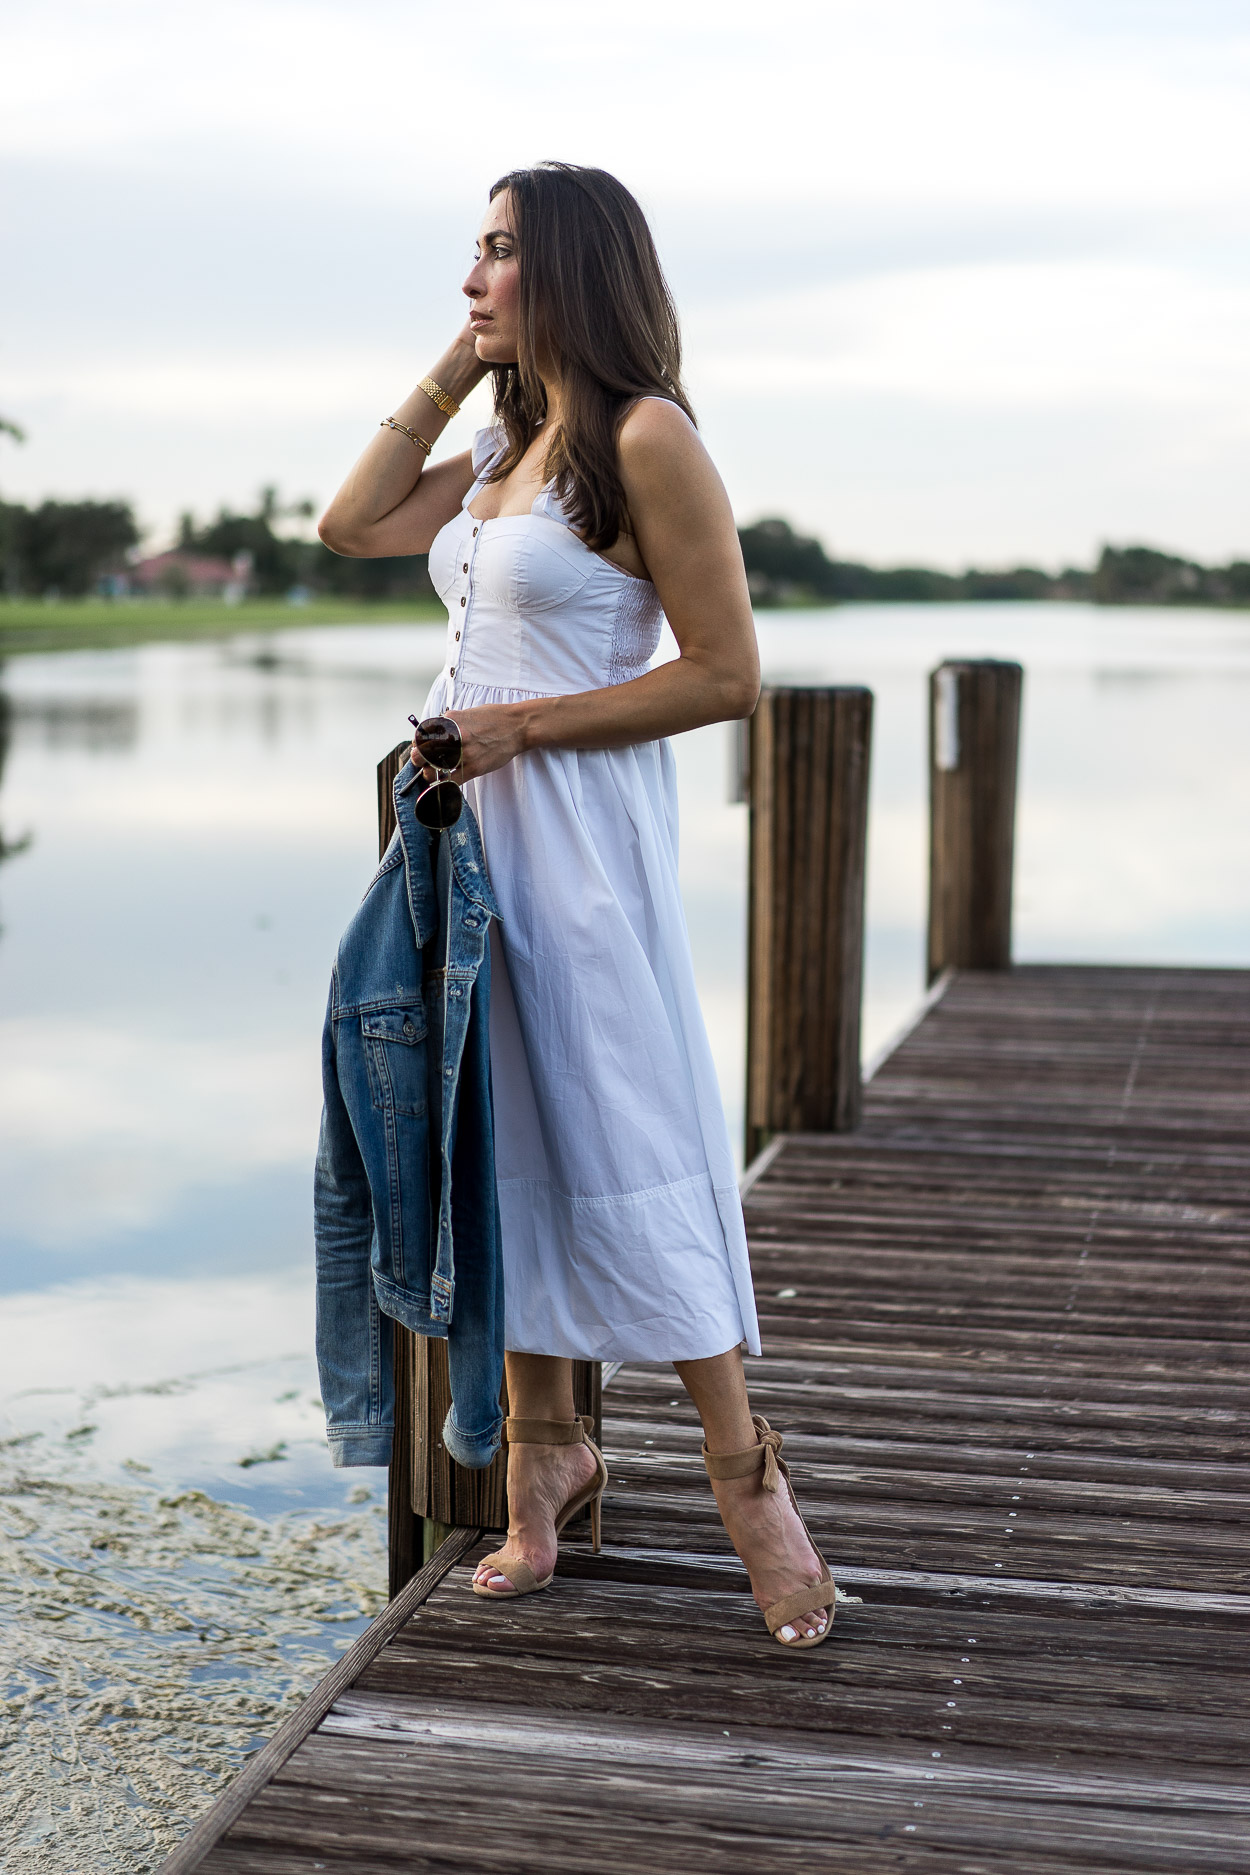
{"points": [[75, 723], [203, 821], [9, 849]]}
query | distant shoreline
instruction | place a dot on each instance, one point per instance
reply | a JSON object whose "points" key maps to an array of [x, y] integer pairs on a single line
{"points": [[237, 566], [804, 603], [95, 623], [34, 625]]}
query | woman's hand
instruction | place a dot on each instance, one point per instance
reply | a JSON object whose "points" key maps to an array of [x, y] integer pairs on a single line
{"points": [[472, 366], [490, 737], [391, 503]]}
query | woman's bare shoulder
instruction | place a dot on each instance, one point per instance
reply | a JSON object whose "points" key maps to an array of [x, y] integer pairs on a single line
{"points": [[656, 424], [661, 452]]}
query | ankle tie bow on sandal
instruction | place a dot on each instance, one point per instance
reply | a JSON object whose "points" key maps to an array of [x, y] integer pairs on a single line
{"points": [[766, 1454], [549, 1432]]}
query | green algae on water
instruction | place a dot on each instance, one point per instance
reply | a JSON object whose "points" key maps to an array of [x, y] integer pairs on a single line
{"points": [[148, 1643]]}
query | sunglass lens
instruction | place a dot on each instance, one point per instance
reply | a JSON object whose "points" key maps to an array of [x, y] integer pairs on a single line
{"points": [[439, 741], [439, 806]]}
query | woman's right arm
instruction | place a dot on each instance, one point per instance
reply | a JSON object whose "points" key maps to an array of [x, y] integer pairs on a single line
{"points": [[391, 503]]}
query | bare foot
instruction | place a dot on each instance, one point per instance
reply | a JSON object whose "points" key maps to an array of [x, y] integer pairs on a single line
{"points": [[765, 1529], [541, 1480]]}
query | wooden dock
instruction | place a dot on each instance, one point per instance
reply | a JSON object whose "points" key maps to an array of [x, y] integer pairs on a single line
{"points": [[1006, 1330]]}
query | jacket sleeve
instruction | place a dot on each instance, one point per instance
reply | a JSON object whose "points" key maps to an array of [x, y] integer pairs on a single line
{"points": [[354, 1338]]}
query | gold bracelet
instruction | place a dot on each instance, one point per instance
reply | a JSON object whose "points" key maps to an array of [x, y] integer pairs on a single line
{"points": [[437, 395], [389, 423]]}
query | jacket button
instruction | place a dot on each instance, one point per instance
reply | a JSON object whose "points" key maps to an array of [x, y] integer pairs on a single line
{"points": [[410, 1028]]}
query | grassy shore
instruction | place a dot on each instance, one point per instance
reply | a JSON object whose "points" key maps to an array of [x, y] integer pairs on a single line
{"points": [[85, 624]]}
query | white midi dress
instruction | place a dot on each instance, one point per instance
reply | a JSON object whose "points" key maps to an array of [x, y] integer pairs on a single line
{"points": [[622, 1228]]}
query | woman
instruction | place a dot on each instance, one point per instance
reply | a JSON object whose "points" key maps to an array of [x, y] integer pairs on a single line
{"points": [[587, 510]]}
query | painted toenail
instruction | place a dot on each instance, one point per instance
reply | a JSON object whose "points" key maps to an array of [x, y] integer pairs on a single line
{"points": [[786, 1633]]}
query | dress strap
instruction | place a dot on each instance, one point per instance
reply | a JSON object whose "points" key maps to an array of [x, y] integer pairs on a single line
{"points": [[488, 447]]}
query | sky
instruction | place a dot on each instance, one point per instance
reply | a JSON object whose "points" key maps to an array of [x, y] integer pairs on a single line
{"points": [[958, 282]]}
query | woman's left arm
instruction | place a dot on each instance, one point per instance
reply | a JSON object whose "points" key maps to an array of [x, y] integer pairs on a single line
{"points": [[684, 530]]}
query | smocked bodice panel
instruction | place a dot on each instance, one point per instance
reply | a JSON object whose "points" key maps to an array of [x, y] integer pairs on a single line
{"points": [[530, 607]]}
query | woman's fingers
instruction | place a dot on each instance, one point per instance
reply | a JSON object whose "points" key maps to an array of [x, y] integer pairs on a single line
{"points": [[488, 738], [419, 763]]}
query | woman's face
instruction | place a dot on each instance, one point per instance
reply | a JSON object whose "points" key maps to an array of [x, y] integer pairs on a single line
{"points": [[494, 286]]}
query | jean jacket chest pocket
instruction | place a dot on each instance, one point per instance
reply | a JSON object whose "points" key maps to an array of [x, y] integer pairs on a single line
{"points": [[394, 1042]]}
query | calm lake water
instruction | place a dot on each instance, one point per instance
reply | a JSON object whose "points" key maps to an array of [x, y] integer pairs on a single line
{"points": [[188, 828]]}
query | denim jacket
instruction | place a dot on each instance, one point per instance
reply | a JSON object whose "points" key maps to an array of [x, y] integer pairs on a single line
{"points": [[407, 1145]]}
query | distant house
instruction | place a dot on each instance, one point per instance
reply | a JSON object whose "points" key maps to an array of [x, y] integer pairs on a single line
{"points": [[180, 574]]}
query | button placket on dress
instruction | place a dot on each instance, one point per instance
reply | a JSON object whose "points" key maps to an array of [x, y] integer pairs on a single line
{"points": [[466, 574]]}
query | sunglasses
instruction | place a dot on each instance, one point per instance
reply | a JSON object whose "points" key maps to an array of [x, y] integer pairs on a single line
{"points": [[438, 740]]}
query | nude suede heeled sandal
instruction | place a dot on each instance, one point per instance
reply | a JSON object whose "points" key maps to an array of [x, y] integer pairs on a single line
{"points": [[767, 1453], [550, 1432]]}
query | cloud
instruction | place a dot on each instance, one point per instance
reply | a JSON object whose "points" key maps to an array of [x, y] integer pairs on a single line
{"points": [[237, 241], [146, 1331], [150, 1113], [828, 98], [1023, 333]]}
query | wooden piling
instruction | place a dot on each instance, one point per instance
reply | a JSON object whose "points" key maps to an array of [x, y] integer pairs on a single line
{"points": [[446, 1494], [428, 1492], [974, 737], [809, 759]]}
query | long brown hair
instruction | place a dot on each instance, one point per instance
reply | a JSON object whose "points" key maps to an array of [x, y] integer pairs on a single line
{"points": [[594, 301]]}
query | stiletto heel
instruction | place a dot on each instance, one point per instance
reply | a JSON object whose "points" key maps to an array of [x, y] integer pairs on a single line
{"points": [[550, 1432], [766, 1452]]}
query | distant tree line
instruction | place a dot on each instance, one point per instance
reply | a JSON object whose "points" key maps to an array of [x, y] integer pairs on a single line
{"points": [[71, 548], [280, 562], [77, 547], [1142, 576], [63, 546], [785, 568]]}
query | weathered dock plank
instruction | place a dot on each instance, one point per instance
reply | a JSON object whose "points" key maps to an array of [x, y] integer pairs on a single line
{"points": [[1006, 1327]]}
